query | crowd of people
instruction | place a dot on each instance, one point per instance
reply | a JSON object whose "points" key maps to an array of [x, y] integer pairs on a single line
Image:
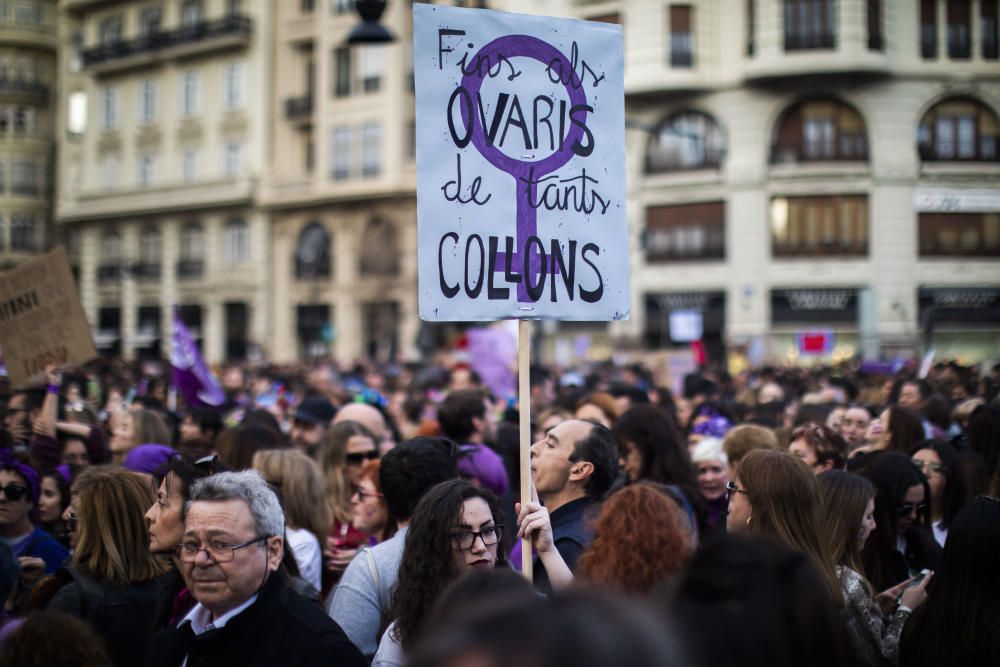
{"points": [[371, 515]]}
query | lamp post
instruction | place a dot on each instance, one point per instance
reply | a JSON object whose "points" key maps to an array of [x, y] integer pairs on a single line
{"points": [[369, 31]]}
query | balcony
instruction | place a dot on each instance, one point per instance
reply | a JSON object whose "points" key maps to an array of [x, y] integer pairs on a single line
{"points": [[190, 269], [16, 90], [108, 273], [299, 108], [146, 272], [229, 32]]}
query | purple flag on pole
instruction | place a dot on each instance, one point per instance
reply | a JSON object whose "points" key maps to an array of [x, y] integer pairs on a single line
{"points": [[190, 375]]}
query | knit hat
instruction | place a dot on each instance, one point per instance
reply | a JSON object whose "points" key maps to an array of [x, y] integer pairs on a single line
{"points": [[147, 458]]}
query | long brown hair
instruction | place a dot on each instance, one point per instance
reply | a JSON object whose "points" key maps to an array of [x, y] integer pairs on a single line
{"points": [[112, 538], [787, 505], [301, 484], [333, 459], [845, 499]]}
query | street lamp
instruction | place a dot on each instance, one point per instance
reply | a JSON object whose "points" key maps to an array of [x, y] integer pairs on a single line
{"points": [[369, 31]]}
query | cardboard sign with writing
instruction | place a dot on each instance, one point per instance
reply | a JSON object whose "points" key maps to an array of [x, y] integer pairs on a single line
{"points": [[520, 166], [41, 319]]}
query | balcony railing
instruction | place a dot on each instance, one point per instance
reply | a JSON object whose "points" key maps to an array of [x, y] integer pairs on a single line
{"points": [[146, 272], [802, 41], [107, 273], [157, 41], [299, 108], [20, 87], [190, 269]]}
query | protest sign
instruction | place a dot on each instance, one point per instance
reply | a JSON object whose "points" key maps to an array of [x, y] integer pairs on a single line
{"points": [[520, 167], [41, 319]]}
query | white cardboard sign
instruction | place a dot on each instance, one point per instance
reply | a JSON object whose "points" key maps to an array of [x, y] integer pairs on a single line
{"points": [[520, 166]]}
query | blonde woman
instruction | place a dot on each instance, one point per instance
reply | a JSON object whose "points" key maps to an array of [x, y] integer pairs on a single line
{"points": [[300, 483]]}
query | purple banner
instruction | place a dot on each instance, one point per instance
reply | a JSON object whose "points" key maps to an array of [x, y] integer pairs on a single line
{"points": [[493, 354], [189, 373]]}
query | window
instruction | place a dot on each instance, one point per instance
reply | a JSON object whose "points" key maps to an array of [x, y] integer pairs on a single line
{"points": [[308, 6], [875, 40], [810, 24], [109, 108], [379, 249], [312, 255], [236, 241], [24, 177], [370, 148], [192, 243], [147, 101], [147, 164], [342, 72], [681, 31], [686, 232], [109, 167], [76, 116], [959, 234], [819, 226], [371, 68], [232, 163], [340, 150], [111, 248], [28, 13], [22, 231], [189, 165], [819, 130], [192, 13], [190, 94], [150, 248], [988, 28], [958, 129], [232, 85], [3, 233], [150, 21], [751, 26], [111, 30], [959, 29], [686, 140], [234, 7], [3, 177], [341, 6], [928, 29]]}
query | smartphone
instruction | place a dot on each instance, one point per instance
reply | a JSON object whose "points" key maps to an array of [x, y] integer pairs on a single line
{"points": [[919, 578]]}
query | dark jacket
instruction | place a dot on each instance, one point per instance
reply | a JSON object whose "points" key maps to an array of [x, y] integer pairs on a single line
{"points": [[280, 628], [571, 534]]}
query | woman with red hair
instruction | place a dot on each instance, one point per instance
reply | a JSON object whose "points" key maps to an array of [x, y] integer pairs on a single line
{"points": [[641, 538]]}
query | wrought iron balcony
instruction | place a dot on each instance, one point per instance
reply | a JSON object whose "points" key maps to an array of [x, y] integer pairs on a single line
{"points": [[107, 273], [234, 25], [146, 272], [19, 87], [299, 108], [190, 269]]}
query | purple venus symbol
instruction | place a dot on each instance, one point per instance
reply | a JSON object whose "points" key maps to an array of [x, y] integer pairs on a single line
{"points": [[513, 46]]}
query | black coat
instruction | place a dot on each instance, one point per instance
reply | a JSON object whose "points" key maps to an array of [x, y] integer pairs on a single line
{"points": [[280, 628]]}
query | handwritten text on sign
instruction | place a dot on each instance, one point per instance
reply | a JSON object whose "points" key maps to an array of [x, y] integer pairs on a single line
{"points": [[520, 167]]}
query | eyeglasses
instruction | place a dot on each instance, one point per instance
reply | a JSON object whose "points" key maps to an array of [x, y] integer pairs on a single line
{"points": [[358, 458], [220, 552], [908, 508], [362, 494], [14, 491], [731, 488], [463, 540], [927, 466]]}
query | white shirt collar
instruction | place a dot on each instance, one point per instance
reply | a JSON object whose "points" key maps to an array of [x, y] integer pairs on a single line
{"points": [[201, 618]]}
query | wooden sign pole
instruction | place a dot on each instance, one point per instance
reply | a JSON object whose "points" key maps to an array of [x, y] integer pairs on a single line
{"points": [[524, 410]]}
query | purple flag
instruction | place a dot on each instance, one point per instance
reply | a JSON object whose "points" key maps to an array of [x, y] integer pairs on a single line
{"points": [[190, 375]]}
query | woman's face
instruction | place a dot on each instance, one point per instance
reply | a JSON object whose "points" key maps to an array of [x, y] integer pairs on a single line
{"points": [[368, 510], [163, 519], [867, 523], [913, 501], [475, 517], [684, 410], [740, 510], [75, 454], [591, 412], [930, 464], [712, 478], [49, 502], [630, 461], [802, 449], [357, 450], [121, 439]]}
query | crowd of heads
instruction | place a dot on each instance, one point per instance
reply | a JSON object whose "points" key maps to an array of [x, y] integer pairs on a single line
{"points": [[753, 506]]}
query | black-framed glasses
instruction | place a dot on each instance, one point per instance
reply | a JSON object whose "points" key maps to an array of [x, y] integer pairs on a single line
{"points": [[220, 552], [210, 464], [928, 467], [357, 458], [908, 508], [731, 489], [14, 491], [464, 539], [362, 494]]}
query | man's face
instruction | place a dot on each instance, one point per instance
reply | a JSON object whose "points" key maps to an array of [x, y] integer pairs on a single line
{"points": [[909, 397], [550, 464], [224, 524], [190, 428], [853, 426], [306, 435], [13, 512], [17, 418]]}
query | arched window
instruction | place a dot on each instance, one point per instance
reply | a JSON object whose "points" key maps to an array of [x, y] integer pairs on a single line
{"points": [[685, 140], [961, 129], [236, 241], [818, 131], [379, 249], [312, 254]]}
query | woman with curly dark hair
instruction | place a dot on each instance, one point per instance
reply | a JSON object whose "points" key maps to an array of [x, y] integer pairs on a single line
{"points": [[454, 529], [641, 538]]}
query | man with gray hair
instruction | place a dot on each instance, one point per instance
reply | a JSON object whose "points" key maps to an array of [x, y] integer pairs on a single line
{"points": [[245, 613]]}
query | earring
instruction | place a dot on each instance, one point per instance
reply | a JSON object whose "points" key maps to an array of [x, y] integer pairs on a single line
{"points": [[748, 519]]}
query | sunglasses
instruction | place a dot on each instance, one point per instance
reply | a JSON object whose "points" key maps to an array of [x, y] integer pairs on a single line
{"points": [[14, 491], [908, 508], [358, 458]]}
